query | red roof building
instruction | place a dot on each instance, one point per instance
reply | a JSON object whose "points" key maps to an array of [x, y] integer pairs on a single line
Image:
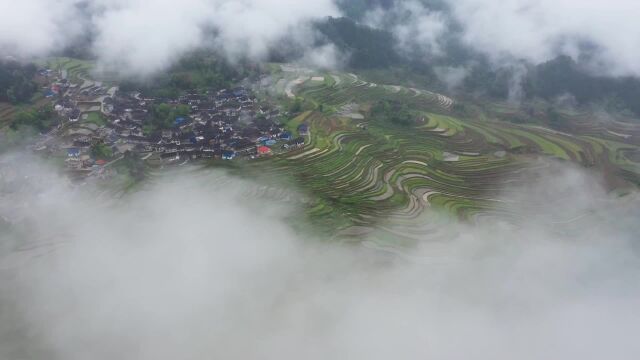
{"points": [[264, 150]]}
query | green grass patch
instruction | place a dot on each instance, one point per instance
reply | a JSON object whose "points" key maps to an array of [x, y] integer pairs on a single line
{"points": [[96, 118]]}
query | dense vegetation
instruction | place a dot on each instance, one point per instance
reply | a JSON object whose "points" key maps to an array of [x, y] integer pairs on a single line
{"points": [[396, 112], [563, 75], [197, 72], [560, 76], [101, 151], [16, 82], [134, 165], [367, 47], [163, 116], [39, 119]]}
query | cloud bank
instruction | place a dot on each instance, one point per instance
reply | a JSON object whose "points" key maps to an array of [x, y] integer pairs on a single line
{"points": [[145, 36], [418, 28], [196, 266], [606, 32], [35, 27], [604, 35]]}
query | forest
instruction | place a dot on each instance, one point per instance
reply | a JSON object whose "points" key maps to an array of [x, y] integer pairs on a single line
{"points": [[16, 82]]}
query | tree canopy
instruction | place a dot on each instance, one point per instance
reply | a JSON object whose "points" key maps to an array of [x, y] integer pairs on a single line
{"points": [[16, 82], [395, 112], [40, 120], [163, 116], [100, 151]]}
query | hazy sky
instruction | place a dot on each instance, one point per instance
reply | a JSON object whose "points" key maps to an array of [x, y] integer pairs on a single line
{"points": [[200, 266]]}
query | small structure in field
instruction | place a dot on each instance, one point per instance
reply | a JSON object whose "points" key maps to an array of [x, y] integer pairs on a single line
{"points": [[303, 129]]}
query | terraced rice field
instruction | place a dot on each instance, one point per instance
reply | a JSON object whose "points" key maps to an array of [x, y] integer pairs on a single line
{"points": [[7, 111], [367, 175], [350, 89], [76, 69]]}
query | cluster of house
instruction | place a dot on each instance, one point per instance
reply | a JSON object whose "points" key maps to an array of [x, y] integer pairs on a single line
{"points": [[225, 124]]}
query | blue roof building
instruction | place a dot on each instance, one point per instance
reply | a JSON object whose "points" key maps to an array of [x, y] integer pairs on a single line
{"points": [[228, 155], [285, 135], [179, 121], [73, 152]]}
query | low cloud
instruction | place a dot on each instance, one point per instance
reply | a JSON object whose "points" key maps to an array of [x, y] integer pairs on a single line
{"points": [[327, 56], [417, 28], [141, 37], [603, 34], [452, 76], [198, 265], [145, 36], [36, 27]]}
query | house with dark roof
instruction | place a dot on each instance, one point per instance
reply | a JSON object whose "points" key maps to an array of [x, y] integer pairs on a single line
{"points": [[295, 143], [285, 135], [243, 146], [303, 129], [170, 156]]}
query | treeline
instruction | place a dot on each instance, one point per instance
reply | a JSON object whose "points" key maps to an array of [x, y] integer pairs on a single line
{"points": [[41, 119], [396, 112], [367, 47], [198, 71], [555, 78], [563, 75], [16, 82]]}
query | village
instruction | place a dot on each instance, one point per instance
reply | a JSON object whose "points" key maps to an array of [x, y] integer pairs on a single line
{"points": [[99, 125]]}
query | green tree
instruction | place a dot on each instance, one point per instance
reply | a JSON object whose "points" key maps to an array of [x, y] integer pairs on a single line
{"points": [[296, 106], [182, 81], [40, 120], [394, 112], [163, 116], [26, 118], [100, 151], [134, 165], [16, 82]]}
